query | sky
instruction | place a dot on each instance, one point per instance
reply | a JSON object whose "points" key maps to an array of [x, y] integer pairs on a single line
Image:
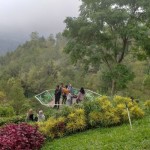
{"points": [[21, 17]]}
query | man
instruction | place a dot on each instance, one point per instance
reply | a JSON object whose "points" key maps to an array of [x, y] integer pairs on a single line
{"points": [[57, 96]]}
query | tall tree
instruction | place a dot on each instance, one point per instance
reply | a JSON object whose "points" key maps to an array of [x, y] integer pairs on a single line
{"points": [[105, 32], [34, 36]]}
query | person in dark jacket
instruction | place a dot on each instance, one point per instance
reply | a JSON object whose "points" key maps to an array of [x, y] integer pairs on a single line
{"points": [[30, 116], [57, 96]]}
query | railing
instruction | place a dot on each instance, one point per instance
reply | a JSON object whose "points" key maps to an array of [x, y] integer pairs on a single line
{"points": [[47, 97]]}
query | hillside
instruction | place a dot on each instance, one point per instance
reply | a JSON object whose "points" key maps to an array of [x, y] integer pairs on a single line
{"points": [[41, 64]]}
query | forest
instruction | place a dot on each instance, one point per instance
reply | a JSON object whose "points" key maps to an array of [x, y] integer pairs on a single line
{"points": [[41, 64]]}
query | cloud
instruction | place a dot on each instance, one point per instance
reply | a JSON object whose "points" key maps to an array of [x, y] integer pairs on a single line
{"points": [[43, 16]]}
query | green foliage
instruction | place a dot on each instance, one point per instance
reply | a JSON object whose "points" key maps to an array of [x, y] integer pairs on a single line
{"points": [[147, 105], [134, 108], [16, 95], [12, 119], [6, 111], [58, 127], [120, 74], [53, 127], [107, 112], [104, 34], [3, 97], [146, 82], [76, 121], [120, 137], [99, 112]]}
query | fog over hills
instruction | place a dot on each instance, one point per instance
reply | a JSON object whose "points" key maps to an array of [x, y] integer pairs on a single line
{"points": [[19, 18], [10, 42]]}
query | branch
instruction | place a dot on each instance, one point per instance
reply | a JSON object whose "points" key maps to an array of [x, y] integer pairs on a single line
{"points": [[125, 45]]}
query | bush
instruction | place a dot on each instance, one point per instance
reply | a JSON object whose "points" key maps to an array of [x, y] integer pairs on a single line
{"points": [[14, 119], [20, 137], [53, 127], [99, 112], [105, 112], [58, 127], [6, 111], [94, 118], [136, 112], [134, 109], [147, 105], [76, 121]]}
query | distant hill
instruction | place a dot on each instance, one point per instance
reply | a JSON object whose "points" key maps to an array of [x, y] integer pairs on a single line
{"points": [[8, 45], [9, 42]]}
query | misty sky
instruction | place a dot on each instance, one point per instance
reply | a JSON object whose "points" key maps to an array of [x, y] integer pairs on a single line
{"points": [[44, 16]]}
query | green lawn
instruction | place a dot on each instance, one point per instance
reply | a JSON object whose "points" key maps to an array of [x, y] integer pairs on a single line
{"points": [[114, 138]]}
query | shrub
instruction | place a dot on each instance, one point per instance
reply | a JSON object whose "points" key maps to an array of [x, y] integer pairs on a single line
{"points": [[136, 112], [13, 119], [20, 136], [134, 109], [53, 127], [147, 105], [2, 97], [65, 111], [94, 118], [58, 127], [76, 121], [99, 112], [121, 100], [122, 112], [112, 112], [6, 111], [91, 106]]}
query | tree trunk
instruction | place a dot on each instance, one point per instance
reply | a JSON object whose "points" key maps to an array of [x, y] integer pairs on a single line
{"points": [[113, 87]]}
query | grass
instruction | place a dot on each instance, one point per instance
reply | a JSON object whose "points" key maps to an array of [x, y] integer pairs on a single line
{"points": [[114, 138]]}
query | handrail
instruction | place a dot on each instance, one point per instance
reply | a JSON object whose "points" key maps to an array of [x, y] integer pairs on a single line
{"points": [[48, 91]]}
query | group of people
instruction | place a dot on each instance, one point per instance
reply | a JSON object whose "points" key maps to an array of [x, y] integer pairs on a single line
{"points": [[67, 94], [64, 92], [38, 117]]}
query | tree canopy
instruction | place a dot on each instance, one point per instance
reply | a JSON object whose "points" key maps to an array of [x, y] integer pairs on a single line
{"points": [[106, 31]]}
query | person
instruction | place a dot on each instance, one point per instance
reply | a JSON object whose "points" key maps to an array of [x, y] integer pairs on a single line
{"points": [[65, 92], [41, 116], [57, 96], [80, 95], [69, 99], [70, 88], [30, 115], [132, 99]]}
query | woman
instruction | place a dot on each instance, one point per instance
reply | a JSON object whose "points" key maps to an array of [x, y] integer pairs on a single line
{"points": [[30, 115], [80, 95]]}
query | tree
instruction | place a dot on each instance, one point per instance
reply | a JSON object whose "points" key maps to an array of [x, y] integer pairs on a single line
{"points": [[34, 36], [105, 32], [16, 96]]}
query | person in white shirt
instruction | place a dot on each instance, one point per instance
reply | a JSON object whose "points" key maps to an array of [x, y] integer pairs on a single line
{"points": [[69, 99], [41, 116]]}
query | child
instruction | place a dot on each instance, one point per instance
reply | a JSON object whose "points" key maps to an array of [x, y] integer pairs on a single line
{"points": [[41, 116], [69, 99]]}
